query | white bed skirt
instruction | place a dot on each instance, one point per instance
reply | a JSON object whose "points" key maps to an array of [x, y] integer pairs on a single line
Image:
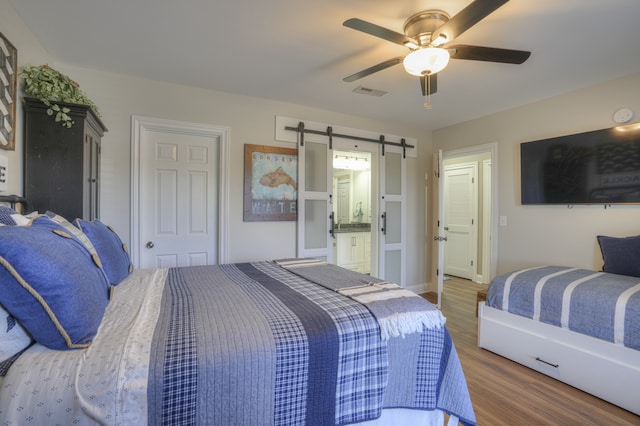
{"points": [[601, 368], [402, 416]]}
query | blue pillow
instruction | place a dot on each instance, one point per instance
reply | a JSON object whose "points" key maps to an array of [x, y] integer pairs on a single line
{"points": [[77, 232], [113, 253], [51, 285], [621, 255]]}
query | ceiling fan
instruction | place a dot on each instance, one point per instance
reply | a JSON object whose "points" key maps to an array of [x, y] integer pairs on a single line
{"points": [[427, 35]]}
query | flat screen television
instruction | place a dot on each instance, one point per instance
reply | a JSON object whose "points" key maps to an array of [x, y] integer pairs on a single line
{"points": [[597, 167]]}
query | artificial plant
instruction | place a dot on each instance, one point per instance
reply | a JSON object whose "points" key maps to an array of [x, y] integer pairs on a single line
{"points": [[50, 87]]}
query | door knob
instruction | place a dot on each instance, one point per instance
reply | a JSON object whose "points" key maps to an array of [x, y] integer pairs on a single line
{"points": [[150, 244]]}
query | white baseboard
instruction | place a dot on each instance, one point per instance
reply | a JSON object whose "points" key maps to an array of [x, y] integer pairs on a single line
{"points": [[417, 288]]}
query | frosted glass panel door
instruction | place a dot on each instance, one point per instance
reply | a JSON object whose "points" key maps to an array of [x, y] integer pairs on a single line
{"points": [[315, 218], [315, 224], [393, 229]]}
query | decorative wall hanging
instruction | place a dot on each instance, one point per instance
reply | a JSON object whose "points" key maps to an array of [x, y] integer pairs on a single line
{"points": [[270, 183], [8, 94]]}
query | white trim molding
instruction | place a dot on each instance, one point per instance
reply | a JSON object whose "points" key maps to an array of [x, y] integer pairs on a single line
{"points": [[138, 125]]}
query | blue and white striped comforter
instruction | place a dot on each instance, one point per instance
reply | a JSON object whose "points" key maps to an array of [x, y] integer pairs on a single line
{"points": [[598, 304], [256, 344]]}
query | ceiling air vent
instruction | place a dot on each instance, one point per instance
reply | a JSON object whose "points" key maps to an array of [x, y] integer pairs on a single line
{"points": [[368, 91]]}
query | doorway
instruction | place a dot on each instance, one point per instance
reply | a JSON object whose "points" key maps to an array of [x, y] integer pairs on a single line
{"points": [[179, 184], [467, 216], [387, 198], [485, 203], [352, 210], [460, 218]]}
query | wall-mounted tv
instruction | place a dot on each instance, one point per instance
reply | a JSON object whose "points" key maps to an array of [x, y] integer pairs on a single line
{"points": [[598, 167]]}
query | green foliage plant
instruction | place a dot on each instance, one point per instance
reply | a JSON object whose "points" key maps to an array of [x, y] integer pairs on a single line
{"points": [[50, 87]]}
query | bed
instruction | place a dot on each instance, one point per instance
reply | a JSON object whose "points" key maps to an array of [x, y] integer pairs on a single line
{"points": [[579, 326], [287, 342]]}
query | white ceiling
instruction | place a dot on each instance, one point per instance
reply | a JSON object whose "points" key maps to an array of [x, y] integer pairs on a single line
{"points": [[298, 50]]}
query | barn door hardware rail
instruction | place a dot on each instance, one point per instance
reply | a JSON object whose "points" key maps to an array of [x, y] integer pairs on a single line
{"points": [[301, 130]]}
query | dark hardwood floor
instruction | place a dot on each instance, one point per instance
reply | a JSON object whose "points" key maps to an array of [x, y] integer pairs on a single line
{"points": [[506, 393]]}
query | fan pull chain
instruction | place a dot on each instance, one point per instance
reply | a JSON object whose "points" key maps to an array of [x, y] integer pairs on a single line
{"points": [[427, 97]]}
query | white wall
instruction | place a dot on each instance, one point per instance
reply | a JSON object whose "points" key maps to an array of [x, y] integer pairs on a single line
{"points": [[30, 51], [554, 235], [251, 120]]}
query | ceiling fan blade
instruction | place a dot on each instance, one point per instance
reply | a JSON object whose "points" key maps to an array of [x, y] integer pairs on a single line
{"points": [[467, 18], [379, 67], [433, 84], [378, 31], [488, 54]]}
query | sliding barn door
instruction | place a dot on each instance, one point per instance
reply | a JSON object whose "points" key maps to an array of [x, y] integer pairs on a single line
{"points": [[392, 217], [315, 236], [315, 215]]}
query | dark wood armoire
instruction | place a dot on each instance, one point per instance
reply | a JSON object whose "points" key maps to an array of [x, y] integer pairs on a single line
{"points": [[62, 165]]}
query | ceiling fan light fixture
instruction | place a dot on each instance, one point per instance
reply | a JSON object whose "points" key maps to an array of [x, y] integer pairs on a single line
{"points": [[411, 45], [429, 60], [439, 41]]}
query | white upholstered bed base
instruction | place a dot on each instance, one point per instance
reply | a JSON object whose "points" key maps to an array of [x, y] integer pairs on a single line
{"points": [[603, 369], [401, 416]]}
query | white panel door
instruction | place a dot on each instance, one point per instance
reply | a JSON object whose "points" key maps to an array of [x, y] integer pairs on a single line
{"points": [[460, 219], [485, 239], [178, 198]]}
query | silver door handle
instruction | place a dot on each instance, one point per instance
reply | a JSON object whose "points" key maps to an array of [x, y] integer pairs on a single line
{"points": [[150, 244]]}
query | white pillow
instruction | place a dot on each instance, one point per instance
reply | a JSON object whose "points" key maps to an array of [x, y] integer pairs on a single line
{"points": [[13, 337], [22, 220]]}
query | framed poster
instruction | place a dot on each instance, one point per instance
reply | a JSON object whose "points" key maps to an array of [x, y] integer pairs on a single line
{"points": [[270, 183], [8, 77]]}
